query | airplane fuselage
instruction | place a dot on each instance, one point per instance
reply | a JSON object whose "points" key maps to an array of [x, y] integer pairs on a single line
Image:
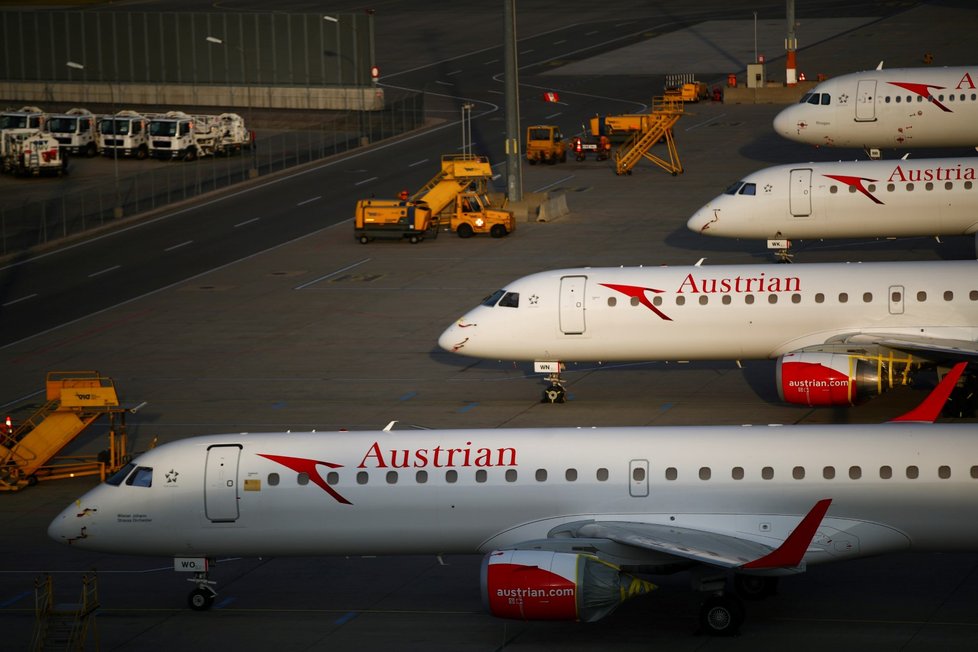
{"points": [[897, 107], [917, 197], [715, 312], [893, 487]]}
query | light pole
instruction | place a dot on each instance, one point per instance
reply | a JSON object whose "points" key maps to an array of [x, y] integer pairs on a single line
{"points": [[117, 207], [253, 170]]}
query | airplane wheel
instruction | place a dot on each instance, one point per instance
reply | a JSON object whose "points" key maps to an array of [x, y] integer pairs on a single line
{"points": [[554, 394], [200, 600], [721, 615], [755, 587]]}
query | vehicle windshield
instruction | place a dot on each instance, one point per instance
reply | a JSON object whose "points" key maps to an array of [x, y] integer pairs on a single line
{"points": [[13, 121], [114, 127], [168, 128], [62, 125]]}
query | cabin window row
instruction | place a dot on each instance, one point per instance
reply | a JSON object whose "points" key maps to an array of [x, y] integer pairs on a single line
{"points": [[819, 297], [884, 472], [451, 476], [891, 187], [961, 97]]}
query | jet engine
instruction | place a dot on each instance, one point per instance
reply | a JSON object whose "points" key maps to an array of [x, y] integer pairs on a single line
{"points": [[816, 378], [547, 585]]}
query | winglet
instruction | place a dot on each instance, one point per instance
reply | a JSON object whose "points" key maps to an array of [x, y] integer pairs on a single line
{"points": [[789, 554], [930, 408]]}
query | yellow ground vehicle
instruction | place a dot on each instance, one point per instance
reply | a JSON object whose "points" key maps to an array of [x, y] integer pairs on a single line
{"points": [[473, 213], [685, 87], [545, 144], [392, 219]]}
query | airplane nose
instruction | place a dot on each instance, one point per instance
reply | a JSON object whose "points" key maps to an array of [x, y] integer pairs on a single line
{"points": [[703, 221], [451, 340], [72, 525], [784, 123]]}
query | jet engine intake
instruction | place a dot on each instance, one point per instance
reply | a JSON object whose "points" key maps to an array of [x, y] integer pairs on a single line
{"points": [[547, 585], [816, 378]]}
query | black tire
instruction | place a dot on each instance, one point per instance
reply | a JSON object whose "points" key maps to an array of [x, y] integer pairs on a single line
{"points": [[563, 156], [190, 154], [531, 161], [554, 394], [755, 587], [498, 231], [141, 153], [721, 615], [465, 230], [414, 239], [363, 239], [200, 600], [91, 150]]}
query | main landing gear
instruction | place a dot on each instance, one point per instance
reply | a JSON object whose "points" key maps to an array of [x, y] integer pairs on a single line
{"points": [[722, 612]]}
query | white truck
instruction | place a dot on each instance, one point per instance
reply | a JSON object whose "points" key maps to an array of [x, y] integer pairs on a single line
{"points": [[125, 134], [74, 130], [178, 135], [31, 152]]}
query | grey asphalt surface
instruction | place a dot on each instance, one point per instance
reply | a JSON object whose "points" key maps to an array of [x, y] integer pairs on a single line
{"points": [[296, 326]]}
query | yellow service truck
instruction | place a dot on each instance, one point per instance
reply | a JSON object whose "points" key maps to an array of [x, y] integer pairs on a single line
{"points": [[393, 220], [473, 213], [545, 144]]}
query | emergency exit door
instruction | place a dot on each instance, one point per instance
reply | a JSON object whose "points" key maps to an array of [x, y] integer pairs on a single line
{"points": [[221, 483], [638, 478], [572, 304]]}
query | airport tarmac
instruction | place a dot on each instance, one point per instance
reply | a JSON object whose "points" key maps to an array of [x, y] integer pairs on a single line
{"points": [[323, 333]]}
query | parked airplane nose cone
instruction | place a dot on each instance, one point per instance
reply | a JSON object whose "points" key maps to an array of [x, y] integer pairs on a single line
{"points": [[785, 123], [452, 340], [704, 221]]}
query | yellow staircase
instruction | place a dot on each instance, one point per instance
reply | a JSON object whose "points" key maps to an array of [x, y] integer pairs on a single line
{"points": [[458, 172], [666, 112], [64, 626], [75, 400]]}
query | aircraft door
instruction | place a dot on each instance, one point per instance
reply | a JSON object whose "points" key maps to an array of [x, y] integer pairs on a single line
{"points": [[866, 101], [638, 478], [221, 483], [896, 299], [800, 198], [572, 304]]}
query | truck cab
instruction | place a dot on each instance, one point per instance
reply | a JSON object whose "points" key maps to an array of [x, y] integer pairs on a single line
{"points": [[474, 214]]}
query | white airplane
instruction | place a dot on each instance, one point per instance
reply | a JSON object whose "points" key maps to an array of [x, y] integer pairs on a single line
{"points": [[565, 516], [924, 197], [899, 107], [840, 332]]}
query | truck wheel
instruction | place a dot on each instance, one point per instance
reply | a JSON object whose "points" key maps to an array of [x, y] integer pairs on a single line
{"points": [[364, 239], [414, 239], [141, 153], [464, 230], [498, 231], [552, 160], [531, 161], [190, 154], [91, 150]]}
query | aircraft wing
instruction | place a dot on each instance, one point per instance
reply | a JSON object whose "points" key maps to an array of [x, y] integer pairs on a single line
{"points": [[920, 344], [708, 547]]}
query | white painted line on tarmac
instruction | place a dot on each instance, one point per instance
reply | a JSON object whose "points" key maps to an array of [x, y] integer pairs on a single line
{"points": [[360, 183], [554, 115], [443, 83], [497, 92], [705, 122], [254, 219], [25, 298], [309, 201], [331, 274], [591, 33], [104, 271], [490, 62], [417, 163], [554, 183], [454, 72], [560, 42], [177, 246], [526, 51]]}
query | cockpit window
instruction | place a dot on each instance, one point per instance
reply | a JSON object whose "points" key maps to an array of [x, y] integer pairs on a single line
{"points": [[816, 98], [141, 477], [493, 298], [120, 475], [804, 98], [748, 189], [826, 99], [732, 190], [510, 300]]}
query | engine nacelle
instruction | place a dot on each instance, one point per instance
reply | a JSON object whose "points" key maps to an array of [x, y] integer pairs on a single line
{"points": [[820, 379], [546, 585]]}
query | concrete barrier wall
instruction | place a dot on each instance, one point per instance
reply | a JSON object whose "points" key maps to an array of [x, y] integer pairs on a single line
{"points": [[775, 94], [169, 95]]}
